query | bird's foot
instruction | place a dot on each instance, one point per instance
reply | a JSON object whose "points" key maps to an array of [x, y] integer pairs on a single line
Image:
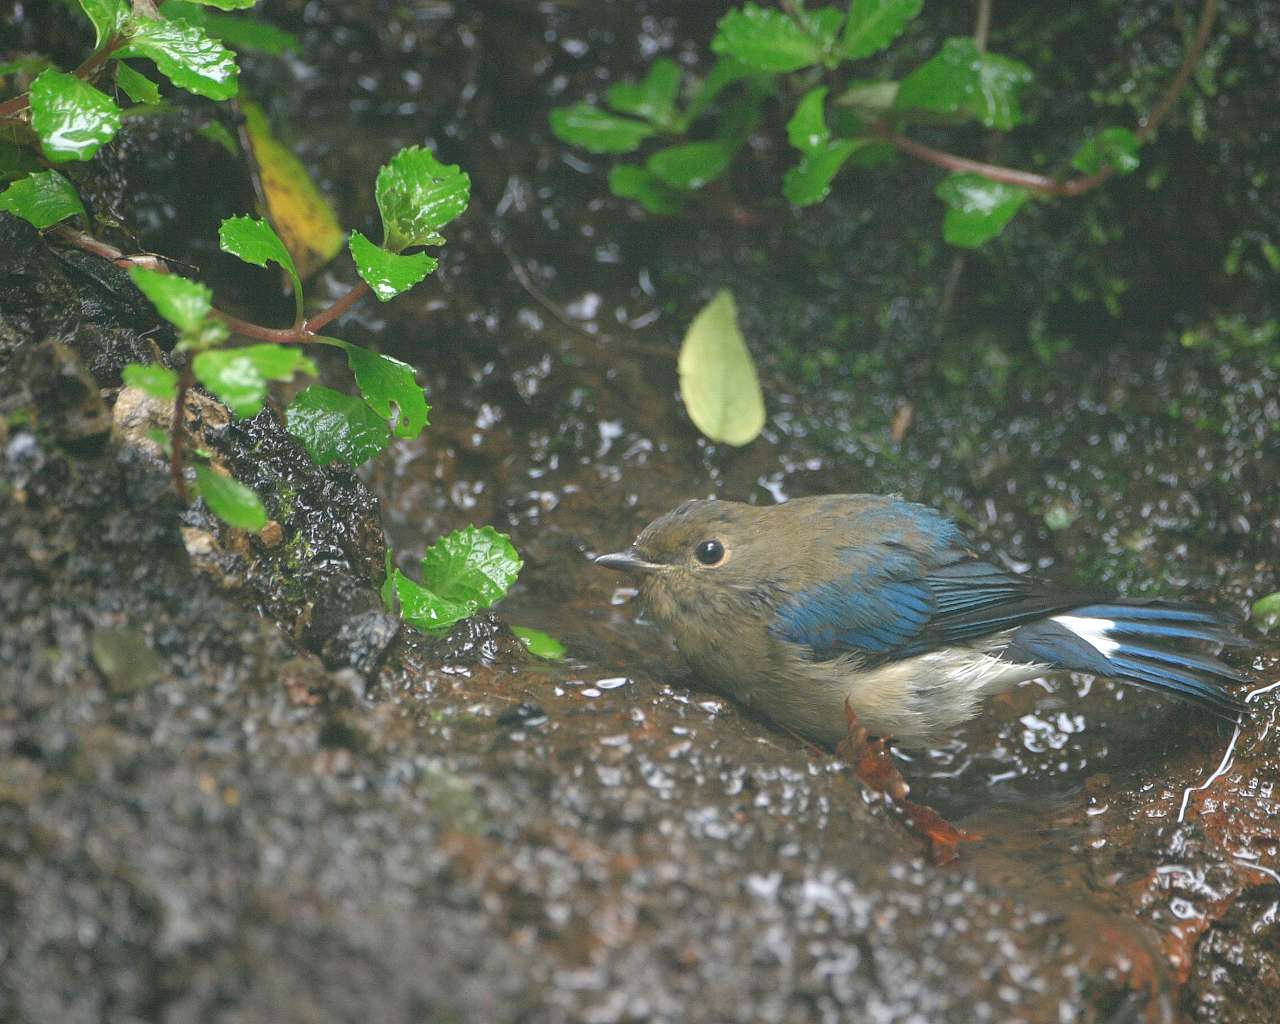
{"points": [[873, 765]]}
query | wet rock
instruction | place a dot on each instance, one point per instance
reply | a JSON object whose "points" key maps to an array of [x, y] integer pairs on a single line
{"points": [[362, 642]]}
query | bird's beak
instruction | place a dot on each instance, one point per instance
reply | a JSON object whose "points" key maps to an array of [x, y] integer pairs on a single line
{"points": [[627, 561]]}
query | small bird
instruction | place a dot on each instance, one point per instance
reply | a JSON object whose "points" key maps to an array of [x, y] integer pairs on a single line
{"points": [[817, 607]]}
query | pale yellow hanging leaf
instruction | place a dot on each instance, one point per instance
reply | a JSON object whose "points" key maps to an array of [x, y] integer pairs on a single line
{"points": [[718, 379], [296, 208]]}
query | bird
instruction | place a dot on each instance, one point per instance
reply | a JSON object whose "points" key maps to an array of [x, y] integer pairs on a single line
{"points": [[821, 610]]}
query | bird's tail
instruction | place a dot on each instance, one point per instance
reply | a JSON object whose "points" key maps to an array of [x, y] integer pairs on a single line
{"points": [[1140, 642]]}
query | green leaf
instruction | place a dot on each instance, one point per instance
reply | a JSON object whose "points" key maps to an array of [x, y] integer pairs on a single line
{"points": [[539, 644], [332, 426], [963, 78], [388, 590], [691, 165], [216, 132], [230, 500], [390, 388], [42, 199], [874, 24], [239, 376], [473, 566], [240, 33], [183, 302], [256, 242], [1116, 148], [727, 70], [389, 273], [16, 162], [72, 118], [108, 17], [977, 208], [630, 181], [417, 195], [137, 86], [156, 380], [766, 40], [186, 56], [810, 180], [227, 5], [654, 99], [864, 94], [1266, 612], [718, 380], [598, 131], [468, 570]]}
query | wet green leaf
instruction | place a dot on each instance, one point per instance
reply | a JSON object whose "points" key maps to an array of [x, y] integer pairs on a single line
{"points": [[691, 165], [230, 500], [216, 132], [255, 241], [239, 376], [874, 24], [472, 565], [424, 608], [16, 162], [108, 17], [822, 157], [977, 208], [875, 96], [237, 31], [137, 86], [72, 118], [718, 381], [631, 181], [389, 273], [963, 78], [417, 195], [1116, 148], [186, 56], [766, 39], [598, 131], [1266, 612], [391, 390], [184, 303], [333, 426], [654, 99], [42, 199], [539, 644], [156, 380]]}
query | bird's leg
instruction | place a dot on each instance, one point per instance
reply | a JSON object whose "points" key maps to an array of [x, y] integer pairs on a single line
{"points": [[873, 765]]}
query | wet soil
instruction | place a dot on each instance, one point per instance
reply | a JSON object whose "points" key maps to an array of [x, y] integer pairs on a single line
{"points": [[234, 790]]}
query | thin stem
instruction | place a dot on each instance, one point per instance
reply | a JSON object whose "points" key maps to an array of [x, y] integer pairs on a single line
{"points": [[982, 27], [86, 242], [327, 316], [177, 433], [1208, 12]]}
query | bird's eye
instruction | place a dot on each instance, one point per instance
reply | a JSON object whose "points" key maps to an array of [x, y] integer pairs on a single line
{"points": [[709, 552]]}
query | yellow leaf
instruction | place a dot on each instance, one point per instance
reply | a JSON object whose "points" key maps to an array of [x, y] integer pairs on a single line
{"points": [[718, 379], [298, 211]]}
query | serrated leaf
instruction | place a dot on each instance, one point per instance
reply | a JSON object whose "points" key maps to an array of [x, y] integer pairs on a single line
{"points": [[630, 181], [822, 157], [1116, 148], [184, 303], [963, 78], [42, 199], [240, 33], [654, 99], [389, 273], [239, 376], [977, 208], [333, 426], [72, 118], [137, 86], [691, 165], [598, 131], [108, 17], [153, 379], [766, 39], [718, 381], [874, 24], [186, 56], [390, 388], [474, 566], [807, 129], [255, 241], [417, 195], [302, 216], [539, 644], [425, 609], [230, 500]]}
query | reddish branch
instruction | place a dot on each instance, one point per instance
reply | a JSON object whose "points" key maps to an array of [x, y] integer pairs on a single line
{"points": [[1072, 186]]}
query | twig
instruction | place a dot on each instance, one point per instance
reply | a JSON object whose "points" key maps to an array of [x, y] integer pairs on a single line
{"points": [[89, 244], [982, 27]]}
